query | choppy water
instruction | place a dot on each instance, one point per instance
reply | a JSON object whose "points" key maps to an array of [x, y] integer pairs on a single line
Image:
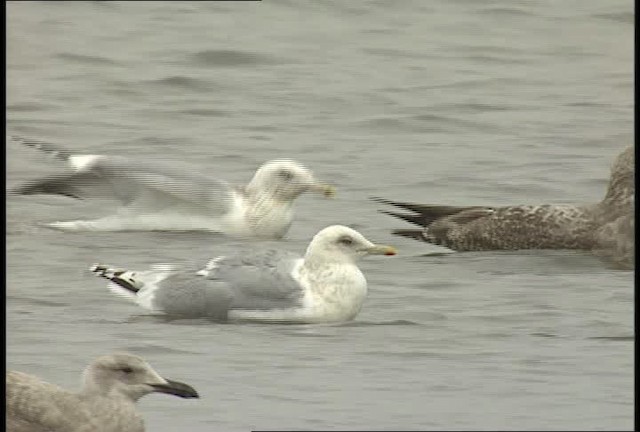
{"points": [[460, 102]]}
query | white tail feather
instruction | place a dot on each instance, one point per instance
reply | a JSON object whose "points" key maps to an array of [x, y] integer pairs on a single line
{"points": [[143, 284], [211, 265], [122, 292]]}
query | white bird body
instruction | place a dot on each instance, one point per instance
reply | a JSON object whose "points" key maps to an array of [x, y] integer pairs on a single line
{"points": [[325, 285], [160, 197]]}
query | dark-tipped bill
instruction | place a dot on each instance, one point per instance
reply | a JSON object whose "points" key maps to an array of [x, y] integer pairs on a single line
{"points": [[382, 250], [177, 389], [325, 189]]}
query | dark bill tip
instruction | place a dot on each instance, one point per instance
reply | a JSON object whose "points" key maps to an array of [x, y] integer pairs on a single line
{"points": [[177, 389]]}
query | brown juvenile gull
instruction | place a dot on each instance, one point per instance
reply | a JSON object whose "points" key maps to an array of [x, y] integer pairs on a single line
{"points": [[606, 228], [270, 285], [111, 386], [156, 196]]}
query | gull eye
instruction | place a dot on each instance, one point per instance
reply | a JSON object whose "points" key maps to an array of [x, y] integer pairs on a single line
{"points": [[285, 175], [345, 240], [127, 369]]}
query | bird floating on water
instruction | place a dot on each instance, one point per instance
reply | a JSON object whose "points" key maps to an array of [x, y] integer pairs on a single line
{"points": [[106, 402], [157, 196], [606, 228], [270, 285]]}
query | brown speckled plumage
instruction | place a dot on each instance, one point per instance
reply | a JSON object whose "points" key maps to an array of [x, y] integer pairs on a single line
{"points": [[106, 403], [606, 228]]}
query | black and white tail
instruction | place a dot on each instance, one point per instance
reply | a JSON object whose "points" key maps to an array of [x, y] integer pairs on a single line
{"points": [[50, 149], [123, 282]]}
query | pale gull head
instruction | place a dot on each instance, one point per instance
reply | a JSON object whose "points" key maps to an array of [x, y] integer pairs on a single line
{"points": [[284, 180], [338, 243], [130, 376], [336, 288]]}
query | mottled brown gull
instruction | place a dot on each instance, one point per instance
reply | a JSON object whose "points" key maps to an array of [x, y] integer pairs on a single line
{"points": [[106, 403], [606, 228], [271, 285], [159, 196]]}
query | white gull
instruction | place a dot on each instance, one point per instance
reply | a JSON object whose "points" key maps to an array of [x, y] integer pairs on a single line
{"points": [[323, 286], [157, 196]]}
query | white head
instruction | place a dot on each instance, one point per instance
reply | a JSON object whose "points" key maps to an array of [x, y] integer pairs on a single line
{"points": [[130, 376], [285, 179], [341, 244]]}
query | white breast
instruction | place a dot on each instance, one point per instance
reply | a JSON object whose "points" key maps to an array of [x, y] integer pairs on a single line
{"points": [[84, 162], [334, 293], [268, 219]]}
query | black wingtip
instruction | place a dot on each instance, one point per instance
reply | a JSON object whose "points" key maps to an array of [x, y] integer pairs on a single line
{"points": [[378, 200], [426, 214], [412, 234], [52, 150], [54, 185], [27, 189], [415, 219], [114, 276], [418, 208], [387, 201]]}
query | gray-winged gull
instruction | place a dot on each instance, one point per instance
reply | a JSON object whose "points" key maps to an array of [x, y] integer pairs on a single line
{"points": [[106, 402], [607, 227], [157, 196], [323, 286]]}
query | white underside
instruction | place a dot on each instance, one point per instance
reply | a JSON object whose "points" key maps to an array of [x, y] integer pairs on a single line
{"points": [[84, 162], [188, 218], [141, 222], [149, 280], [337, 298]]}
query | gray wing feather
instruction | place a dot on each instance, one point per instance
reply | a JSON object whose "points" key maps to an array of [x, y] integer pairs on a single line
{"points": [[130, 182], [186, 294], [250, 280], [260, 280], [70, 185]]}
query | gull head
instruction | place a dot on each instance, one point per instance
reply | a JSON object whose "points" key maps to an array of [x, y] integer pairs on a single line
{"points": [[621, 190], [285, 180], [338, 243], [130, 376]]}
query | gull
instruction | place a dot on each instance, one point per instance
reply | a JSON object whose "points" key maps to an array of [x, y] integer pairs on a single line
{"points": [[606, 228], [159, 196], [106, 402], [325, 285]]}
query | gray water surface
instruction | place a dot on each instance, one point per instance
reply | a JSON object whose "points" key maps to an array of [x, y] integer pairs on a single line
{"points": [[453, 102]]}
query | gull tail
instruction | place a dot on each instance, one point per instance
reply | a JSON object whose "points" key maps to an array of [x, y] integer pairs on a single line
{"points": [[60, 184], [123, 283], [423, 214], [51, 150], [409, 233]]}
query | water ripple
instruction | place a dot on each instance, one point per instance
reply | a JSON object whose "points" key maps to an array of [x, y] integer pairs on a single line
{"points": [[181, 82], [231, 58], [86, 59]]}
